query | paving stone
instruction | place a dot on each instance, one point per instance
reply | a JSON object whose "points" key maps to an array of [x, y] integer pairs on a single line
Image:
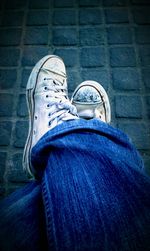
{"points": [[139, 133], [31, 55], [64, 17], [146, 77], [22, 110], [144, 52], [7, 78], [40, 4], [25, 76], [37, 35], [10, 36], [148, 105], [73, 80], [12, 18], [64, 3], [119, 35], [90, 16], [37, 17], [125, 79], [99, 75], [15, 4], [6, 104], [89, 2], [91, 36], [92, 57], [16, 173], [2, 191], [21, 131], [122, 56], [140, 2], [65, 36], [128, 106], [69, 56], [141, 15], [115, 2], [3, 156], [9, 56], [142, 34], [5, 133], [116, 15]]}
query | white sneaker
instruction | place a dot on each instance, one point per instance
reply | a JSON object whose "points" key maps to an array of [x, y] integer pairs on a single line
{"points": [[48, 102], [91, 101]]}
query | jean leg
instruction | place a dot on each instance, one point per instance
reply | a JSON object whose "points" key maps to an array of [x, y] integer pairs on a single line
{"points": [[95, 192], [22, 220]]}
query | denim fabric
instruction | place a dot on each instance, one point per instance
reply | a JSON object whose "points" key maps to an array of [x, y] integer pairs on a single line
{"points": [[22, 220], [91, 195]]}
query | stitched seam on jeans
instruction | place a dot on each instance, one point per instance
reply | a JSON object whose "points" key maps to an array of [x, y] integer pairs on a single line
{"points": [[47, 212]]}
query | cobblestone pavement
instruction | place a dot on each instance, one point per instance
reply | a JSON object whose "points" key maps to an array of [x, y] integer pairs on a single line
{"points": [[107, 41]]}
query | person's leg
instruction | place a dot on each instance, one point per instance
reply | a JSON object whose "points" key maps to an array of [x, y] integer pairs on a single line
{"points": [[95, 192], [95, 196], [22, 220], [22, 213]]}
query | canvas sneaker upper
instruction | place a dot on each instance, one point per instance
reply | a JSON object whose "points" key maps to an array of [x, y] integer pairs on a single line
{"points": [[91, 101], [48, 102]]}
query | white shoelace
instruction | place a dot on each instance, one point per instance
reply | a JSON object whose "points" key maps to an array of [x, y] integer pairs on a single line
{"points": [[60, 108]]}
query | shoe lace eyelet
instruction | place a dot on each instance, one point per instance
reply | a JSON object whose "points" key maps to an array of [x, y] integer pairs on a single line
{"points": [[45, 88], [48, 105], [46, 96]]}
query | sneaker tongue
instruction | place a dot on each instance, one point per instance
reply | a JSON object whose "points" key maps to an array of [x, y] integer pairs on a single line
{"points": [[86, 113]]}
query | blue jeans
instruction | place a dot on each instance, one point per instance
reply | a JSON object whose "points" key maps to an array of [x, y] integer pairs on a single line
{"points": [[91, 194]]}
